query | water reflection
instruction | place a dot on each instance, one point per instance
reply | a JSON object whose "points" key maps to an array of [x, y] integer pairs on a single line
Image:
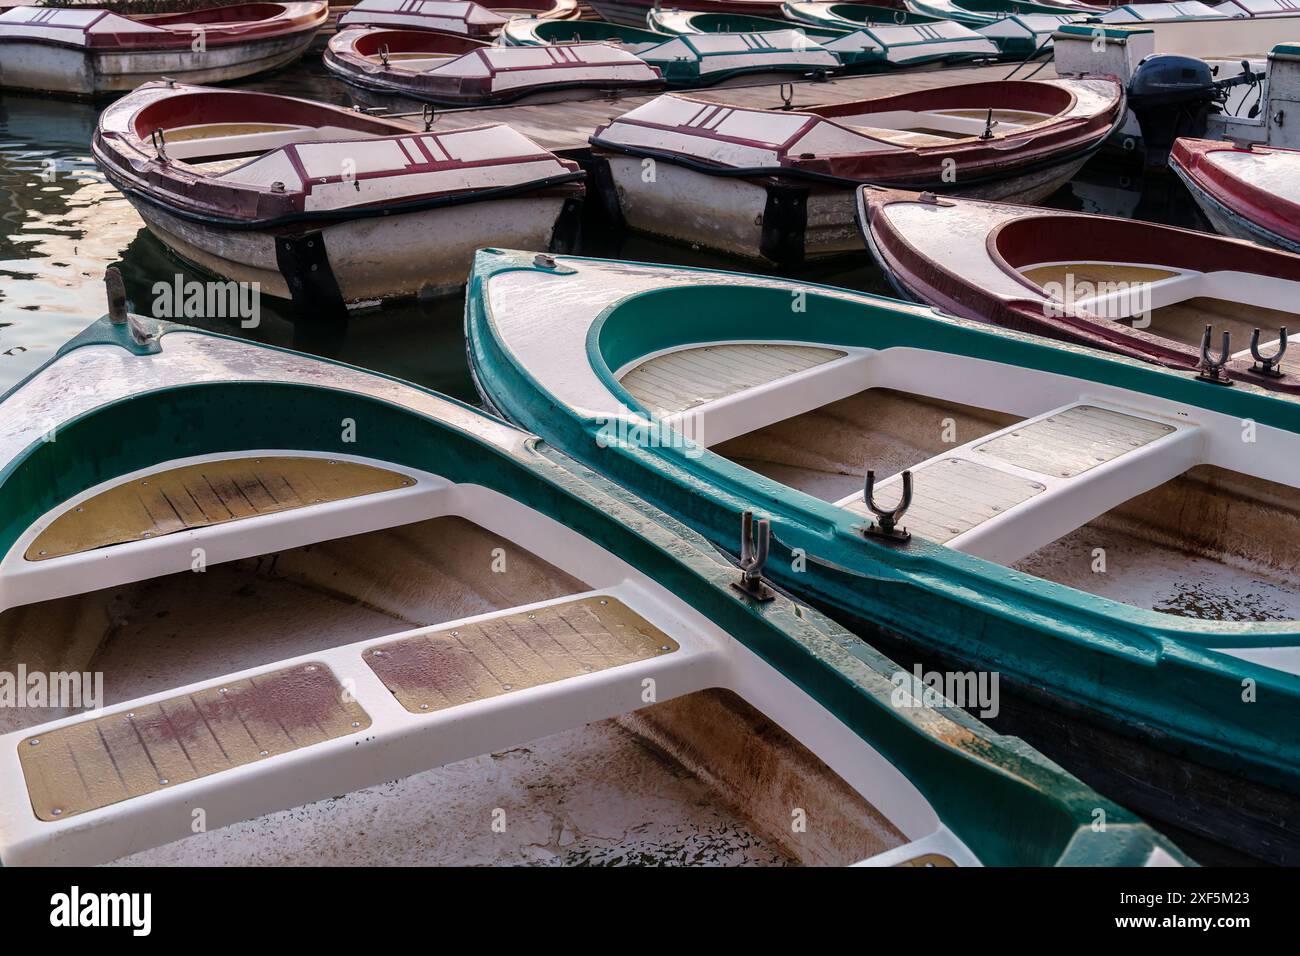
{"points": [[62, 225]]}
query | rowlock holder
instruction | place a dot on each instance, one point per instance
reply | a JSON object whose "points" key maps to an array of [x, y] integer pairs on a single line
{"points": [[1271, 365], [753, 555], [1211, 369], [886, 524]]}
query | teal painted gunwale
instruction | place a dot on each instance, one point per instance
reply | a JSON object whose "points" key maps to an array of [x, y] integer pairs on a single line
{"points": [[1005, 801], [1136, 670], [548, 32]]}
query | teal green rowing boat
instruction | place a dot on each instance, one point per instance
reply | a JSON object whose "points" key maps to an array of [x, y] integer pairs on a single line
{"points": [[1120, 542], [524, 31], [299, 579], [979, 13]]}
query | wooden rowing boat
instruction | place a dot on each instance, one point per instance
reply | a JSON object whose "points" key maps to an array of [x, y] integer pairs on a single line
{"points": [[861, 47], [1167, 295], [633, 13], [780, 184], [1118, 540], [287, 614], [324, 205], [980, 13], [85, 52], [454, 70], [525, 31], [1016, 36], [464, 17], [1244, 191]]}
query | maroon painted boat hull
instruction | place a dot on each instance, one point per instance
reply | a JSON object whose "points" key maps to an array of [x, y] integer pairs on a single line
{"points": [[324, 205], [453, 70], [1243, 190], [985, 244], [80, 51]]}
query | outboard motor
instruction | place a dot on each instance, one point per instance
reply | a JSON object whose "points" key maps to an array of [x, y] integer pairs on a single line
{"points": [[1171, 96]]}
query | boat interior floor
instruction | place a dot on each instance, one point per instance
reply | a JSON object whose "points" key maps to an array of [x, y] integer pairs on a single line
{"points": [[937, 127], [217, 147], [439, 624], [646, 789], [1174, 305], [172, 631], [1206, 542]]}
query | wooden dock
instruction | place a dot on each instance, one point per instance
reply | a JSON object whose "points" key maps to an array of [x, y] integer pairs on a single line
{"points": [[564, 127]]}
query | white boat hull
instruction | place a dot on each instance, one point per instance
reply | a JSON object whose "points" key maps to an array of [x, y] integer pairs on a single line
{"points": [[726, 214], [373, 258], [41, 67]]}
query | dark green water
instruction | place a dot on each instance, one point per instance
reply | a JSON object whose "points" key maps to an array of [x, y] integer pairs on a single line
{"points": [[62, 225]]}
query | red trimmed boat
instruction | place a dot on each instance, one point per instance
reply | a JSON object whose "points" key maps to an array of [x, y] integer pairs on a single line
{"points": [[780, 184], [463, 71], [466, 18], [1176, 297], [84, 52], [632, 13], [324, 205], [1246, 191]]}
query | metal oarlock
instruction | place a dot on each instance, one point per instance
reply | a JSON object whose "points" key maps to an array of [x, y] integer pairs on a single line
{"points": [[1211, 370], [1270, 365], [753, 555], [989, 124], [787, 96], [429, 115], [383, 54], [159, 140], [886, 524]]}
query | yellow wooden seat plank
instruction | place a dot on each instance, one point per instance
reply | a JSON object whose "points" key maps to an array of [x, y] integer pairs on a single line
{"points": [[476, 661], [214, 492], [100, 761]]}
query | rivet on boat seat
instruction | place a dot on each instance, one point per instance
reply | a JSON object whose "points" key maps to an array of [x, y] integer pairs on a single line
{"points": [[213, 492], [96, 763], [677, 381], [1072, 441], [471, 662]]}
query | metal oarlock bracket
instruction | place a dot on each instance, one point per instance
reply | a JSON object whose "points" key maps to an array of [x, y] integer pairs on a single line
{"points": [[1271, 365], [886, 524], [383, 54], [159, 140], [989, 124], [1211, 370], [787, 96], [429, 115], [753, 555]]}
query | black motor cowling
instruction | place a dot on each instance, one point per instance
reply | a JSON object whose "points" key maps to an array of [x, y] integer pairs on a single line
{"points": [[1171, 96]]}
